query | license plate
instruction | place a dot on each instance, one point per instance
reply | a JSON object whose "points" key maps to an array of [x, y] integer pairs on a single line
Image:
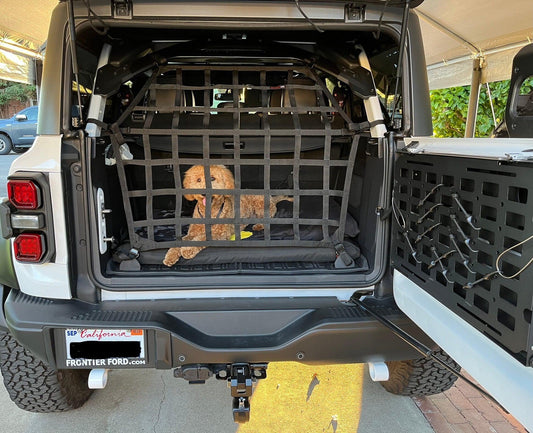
{"points": [[119, 347]]}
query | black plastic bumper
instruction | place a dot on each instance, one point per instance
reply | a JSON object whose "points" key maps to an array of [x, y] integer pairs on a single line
{"points": [[3, 323], [212, 331]]}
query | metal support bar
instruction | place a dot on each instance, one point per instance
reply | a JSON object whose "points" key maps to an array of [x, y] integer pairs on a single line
{"points": [[474, 98], [439, 26]]}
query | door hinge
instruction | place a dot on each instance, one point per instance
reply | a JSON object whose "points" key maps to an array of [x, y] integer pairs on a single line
{"points": [[383, 213], [519, 156], [122, 9]]}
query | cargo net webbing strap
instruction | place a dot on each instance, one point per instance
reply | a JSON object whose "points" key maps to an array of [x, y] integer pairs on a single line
{"points": [[154, 208]]}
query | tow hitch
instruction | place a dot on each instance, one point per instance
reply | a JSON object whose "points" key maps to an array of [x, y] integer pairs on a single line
{"points": [[240, 378]]}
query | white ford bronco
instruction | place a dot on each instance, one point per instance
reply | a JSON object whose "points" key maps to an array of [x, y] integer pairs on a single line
{"points": [[388, 247]]}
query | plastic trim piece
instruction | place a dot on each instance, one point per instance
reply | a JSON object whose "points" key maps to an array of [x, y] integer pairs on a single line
{"points": [[7, 271], [3, 323]]}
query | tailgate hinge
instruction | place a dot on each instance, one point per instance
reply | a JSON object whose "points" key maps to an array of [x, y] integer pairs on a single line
{"points": [[519, 156], [383, 213]]}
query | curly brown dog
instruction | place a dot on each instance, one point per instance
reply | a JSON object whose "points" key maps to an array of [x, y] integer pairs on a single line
{"points": [[222, 206]]}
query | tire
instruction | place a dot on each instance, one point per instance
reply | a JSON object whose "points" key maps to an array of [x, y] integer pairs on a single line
{"points": [[421, 376], [35, 387], [5, 144]]}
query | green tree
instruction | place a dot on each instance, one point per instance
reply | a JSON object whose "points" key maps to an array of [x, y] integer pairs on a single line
{"points": [[10, 91], [449, 109]]}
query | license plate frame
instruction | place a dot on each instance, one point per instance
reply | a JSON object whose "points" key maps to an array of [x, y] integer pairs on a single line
{"points": [[105, 336]]}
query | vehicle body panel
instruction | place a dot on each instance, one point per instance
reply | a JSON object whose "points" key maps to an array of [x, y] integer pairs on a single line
{"points": [[49, 279], [510, 383]]}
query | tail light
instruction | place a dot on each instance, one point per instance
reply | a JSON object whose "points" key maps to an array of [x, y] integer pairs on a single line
{"points": [[24, 194], [29, 247], [28, 217]]}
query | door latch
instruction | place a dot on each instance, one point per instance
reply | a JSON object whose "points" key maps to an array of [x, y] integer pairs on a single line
{"points": [[354, 13], [103, 239], [122, 9]]}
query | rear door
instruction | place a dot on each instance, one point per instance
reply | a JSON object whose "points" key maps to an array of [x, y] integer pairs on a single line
{"points": [[462, 253]]}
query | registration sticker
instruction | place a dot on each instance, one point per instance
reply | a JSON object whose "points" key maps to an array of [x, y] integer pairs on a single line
{"points": [[104, 347]]}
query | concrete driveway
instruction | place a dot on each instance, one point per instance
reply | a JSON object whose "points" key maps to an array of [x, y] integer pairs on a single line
{"points": [[293, 399]]}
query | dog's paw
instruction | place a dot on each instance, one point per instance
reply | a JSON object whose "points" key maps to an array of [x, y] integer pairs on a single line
{"points": [[190, 252], [258, 227], [171, 257]]}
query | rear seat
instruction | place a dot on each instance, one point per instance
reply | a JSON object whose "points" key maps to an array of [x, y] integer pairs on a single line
{"points": [[251, 144]]}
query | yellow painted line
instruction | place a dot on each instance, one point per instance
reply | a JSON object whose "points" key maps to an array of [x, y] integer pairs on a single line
{"points": [[298, 398]]}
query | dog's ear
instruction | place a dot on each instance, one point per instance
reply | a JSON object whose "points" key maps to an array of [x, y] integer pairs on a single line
{"points": [[188, 182], [229, 180]]}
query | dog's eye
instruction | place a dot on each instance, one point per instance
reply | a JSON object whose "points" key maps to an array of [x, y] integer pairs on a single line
{"points": [[212, 178], [199, 180]]}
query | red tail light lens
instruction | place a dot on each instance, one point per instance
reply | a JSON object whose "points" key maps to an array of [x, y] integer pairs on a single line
{"points": [[29, 247], [24, 194]]}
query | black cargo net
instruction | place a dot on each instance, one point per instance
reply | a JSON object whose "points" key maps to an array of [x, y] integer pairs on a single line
{"points": [[278, 129]]}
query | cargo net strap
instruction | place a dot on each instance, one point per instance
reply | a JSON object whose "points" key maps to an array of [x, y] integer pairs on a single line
{"points": [[208, 106]]}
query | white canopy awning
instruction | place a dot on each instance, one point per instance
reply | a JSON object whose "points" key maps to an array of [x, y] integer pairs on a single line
{"points": [[23, 30], [457, 31], [454, 31]]}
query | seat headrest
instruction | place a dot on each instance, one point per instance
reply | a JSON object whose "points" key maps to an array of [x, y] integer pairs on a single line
{"points": [[302, 97], [167, 98]]}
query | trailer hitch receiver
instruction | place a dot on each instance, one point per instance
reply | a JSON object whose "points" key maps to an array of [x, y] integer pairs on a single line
{"points": [[240, 379]]}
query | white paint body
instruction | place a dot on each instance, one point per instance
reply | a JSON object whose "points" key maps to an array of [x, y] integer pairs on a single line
{"points": [[50, 280], [508, 381]]}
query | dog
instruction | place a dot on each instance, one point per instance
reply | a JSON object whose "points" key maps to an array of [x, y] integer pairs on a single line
{"points": [[222, 206]]}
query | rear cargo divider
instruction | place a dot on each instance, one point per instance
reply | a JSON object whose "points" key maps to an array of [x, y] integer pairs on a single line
{"points": [[274, 119]]}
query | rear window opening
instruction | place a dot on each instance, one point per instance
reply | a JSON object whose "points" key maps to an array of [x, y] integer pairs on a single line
{"points": [[291, 136]]}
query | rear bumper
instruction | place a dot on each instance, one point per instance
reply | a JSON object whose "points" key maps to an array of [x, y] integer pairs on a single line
{"points": [[311, 330]]}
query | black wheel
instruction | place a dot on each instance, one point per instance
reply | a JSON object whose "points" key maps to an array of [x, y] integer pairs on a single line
{"points": [[5, 144], [35, 387], [421, 376]]}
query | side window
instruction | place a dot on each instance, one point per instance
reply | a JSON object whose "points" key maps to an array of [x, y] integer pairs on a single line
{"points": [[525, 98], [87, 69], [32, 114]]}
